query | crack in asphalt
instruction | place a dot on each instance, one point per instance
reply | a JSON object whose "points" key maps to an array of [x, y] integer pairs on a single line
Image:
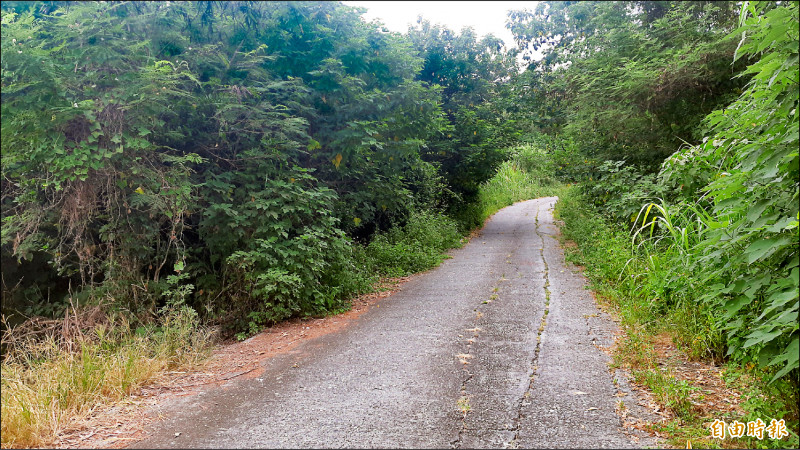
{"points": [[392, 378], [463, 402], [533, 368]]}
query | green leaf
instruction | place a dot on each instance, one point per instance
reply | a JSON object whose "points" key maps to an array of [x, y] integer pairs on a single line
{"points": [[791, 355], [762, 248], [313, 145], [733, 306], [760, 336], [755, 210]]}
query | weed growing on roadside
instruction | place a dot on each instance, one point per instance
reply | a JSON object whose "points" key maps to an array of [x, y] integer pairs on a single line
{"points": [[45, 386], [417, 246], [640, 283], [463, 405]]}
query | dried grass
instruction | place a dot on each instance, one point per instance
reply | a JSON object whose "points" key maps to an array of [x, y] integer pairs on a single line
{"points": [[59, 372]]}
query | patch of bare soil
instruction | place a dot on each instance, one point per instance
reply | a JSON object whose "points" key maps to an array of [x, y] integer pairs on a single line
{"points": [[565, 244], [636, 407], [711, 397], [123, 423]]}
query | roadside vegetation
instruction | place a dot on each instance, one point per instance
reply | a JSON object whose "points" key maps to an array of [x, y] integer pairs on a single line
{"points": [[174, 173], [704, 249], [51, 377], [240, 163], [630, 281], [49, 381], [528, 173]]}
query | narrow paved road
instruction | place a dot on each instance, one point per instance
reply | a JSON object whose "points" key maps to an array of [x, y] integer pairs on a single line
{"points": [[505, 305]]}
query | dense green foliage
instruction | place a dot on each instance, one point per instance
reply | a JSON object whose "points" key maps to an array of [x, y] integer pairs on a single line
{"points": [[417, 246], [708, 93], [229, 151], [739, 198], [627, 80], [471, 73]]}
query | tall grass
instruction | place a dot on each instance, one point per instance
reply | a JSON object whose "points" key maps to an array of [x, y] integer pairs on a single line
{"points": [[528, 173], [45, 386], [417, 246], [653, 282]]}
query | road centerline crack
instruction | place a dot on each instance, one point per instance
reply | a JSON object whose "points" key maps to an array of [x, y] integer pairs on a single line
{"points": [[533, 366]]}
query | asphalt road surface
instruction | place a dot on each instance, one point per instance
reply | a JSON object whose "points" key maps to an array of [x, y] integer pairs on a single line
{"points": [[496, 348]]}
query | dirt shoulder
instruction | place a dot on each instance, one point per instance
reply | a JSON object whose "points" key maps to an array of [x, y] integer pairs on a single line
{"points": [[119, 425], [710, 397]]}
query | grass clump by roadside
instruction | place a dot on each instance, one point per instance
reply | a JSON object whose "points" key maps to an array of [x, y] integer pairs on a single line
{"points": [[52, 376], [634, 282], [528, 173], [415, 247]]}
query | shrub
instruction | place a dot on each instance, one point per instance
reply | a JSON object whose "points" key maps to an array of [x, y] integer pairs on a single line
{"points": [[619, 190], [417, 246]]}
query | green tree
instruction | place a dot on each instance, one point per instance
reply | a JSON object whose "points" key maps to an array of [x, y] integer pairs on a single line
{"points": [[472, 73], [745, 177], [219, 144], [627, 80]]}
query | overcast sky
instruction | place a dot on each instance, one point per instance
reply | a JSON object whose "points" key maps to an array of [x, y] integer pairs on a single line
{"points": [[484, 17]]}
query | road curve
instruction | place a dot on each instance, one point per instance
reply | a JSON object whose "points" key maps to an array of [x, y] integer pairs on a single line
{"points": [[494, 348]]}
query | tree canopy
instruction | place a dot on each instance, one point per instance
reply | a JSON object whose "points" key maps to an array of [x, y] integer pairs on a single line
{"points": [[242, 142]]}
